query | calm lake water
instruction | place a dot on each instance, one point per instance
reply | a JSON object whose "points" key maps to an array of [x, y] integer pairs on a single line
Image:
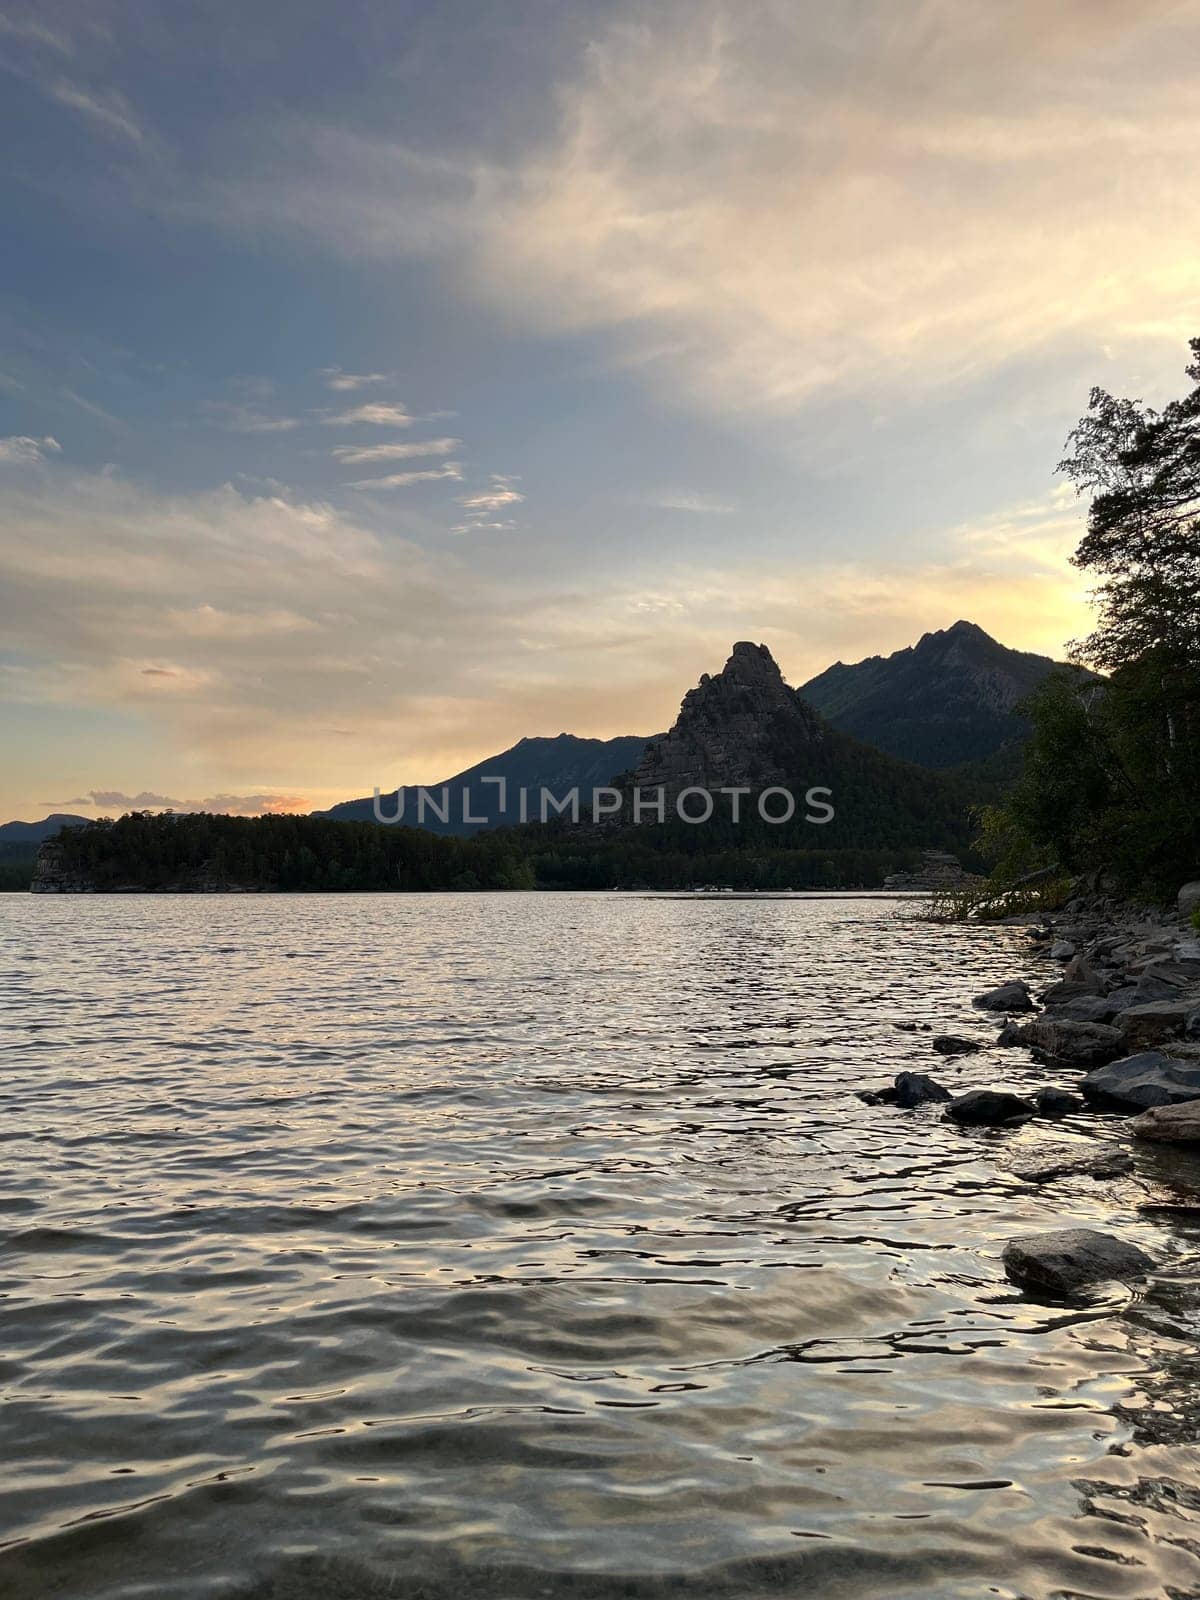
{"points": [[538, 1246]]}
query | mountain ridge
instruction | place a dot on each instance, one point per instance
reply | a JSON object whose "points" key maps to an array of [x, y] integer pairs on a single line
{"points": [[947, 701]]}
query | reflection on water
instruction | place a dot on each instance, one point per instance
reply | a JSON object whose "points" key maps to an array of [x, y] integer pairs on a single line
{"points": [[539, 1245]]}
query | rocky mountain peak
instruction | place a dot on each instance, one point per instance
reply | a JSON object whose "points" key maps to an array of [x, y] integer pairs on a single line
{"points": [[742, 726]]}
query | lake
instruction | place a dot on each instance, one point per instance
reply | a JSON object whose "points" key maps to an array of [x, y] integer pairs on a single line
{"points": [[514, 1245]]}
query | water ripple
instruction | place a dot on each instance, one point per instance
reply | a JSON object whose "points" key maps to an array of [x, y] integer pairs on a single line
{"points": [[501, 1245]]}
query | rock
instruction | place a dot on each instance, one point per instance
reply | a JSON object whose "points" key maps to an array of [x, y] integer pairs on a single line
{"points": [[1191, 1026], [1148, 1079], [1177, 1123], [1086, 1008], [1078, 971], [1069, 1161], [913, 1089], [1174, 1124], [1010, 1033], [1071, 1258], [1062, 950], [1148, 1025], [913, 1027], [1057, 1102], [1187, 950], [1078, 1044], [1179, 974], [883, 1094], [949, 1044], [988, 1108], [1189, 899], [1008, 997]]}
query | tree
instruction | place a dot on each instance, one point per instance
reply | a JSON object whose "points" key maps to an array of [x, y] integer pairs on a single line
{"points": [[1112, 771], [1142, 469]]}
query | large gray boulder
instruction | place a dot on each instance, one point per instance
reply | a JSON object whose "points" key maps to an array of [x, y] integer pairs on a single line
{"points": [[1147, 1025], [989, 1108], [1084, 1008], [1072, 1258], [1189, 898], [1177, 1124], [1076, 1044], [1148, 1079], [1008, 997]]}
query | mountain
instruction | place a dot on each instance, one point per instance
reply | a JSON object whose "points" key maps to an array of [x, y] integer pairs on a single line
{"points": [[558, 764], [19, 844], [745, 728], [33, 833], [947, 700]]}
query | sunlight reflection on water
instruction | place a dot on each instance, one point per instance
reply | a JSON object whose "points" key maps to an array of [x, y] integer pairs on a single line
{"points": [[539, 1244]]}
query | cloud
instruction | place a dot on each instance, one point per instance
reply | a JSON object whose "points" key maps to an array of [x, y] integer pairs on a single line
{"points": [[237, 805], [405, 480], [335, 378], [109, 110], [34, 32], [502, 493], [779, 203], [702, 504], [240, 417], [483, 506], [19, 448], [376, 414], [357, 454]]}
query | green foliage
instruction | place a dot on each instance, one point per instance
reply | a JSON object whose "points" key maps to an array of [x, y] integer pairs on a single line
{"points": [[1112, 770]]}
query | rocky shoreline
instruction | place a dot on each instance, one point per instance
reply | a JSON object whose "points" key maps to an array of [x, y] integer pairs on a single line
{"points": [[1123, 1012]]}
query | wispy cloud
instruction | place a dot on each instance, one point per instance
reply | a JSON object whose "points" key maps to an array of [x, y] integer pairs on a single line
{"points": [[240, 417], [34, 31], [356, 454], [503, 492], [24, 451], [109, 110], [335, 378], [484, 506], [375, 414], [92, 409], [701, 504], [405, 480]]}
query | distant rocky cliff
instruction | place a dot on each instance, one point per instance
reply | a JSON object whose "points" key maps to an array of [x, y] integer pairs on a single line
{"points": [[744, 727]]}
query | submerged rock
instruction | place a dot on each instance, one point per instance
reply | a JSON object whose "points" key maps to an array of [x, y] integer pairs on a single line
{"points": [[1148, 1079], [907, 1090], [950, 1044], [1057, 1102], [989, 1108], [916, 1089], [1008, 997], [1069, 1161], [1071, 1258], [1170, 1124]]}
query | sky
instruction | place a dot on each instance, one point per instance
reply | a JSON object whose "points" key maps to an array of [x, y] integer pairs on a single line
{"points": [[383, 382]]}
